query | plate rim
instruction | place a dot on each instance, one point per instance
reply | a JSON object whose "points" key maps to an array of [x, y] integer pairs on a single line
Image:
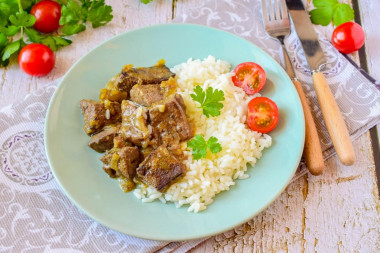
{"points": [[144, 236]]}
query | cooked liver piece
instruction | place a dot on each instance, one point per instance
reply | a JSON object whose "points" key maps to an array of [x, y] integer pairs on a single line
{"points": [[96, 115], [133, 126], [150, 75], [106, 160], [146, 94], [127, 160], [169, 122], [160, 168], [102, 141]]}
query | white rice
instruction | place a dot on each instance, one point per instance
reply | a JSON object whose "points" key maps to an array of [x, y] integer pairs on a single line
{"points": [[216, 173]]}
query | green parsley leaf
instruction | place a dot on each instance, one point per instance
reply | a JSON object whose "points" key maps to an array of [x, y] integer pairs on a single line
{"points": [[70, 13], [55, 43], [33, 35], [328, 11], [213, 145], [61, 42], [50, 42], [3, 39], [146, 1], [10, 49], [71, 29], [321, 16], [22, 19], [324, 3], [26, 4], [343, 13], [7, 8], [199, 146], [10, 30], [99, 16], [209, 100]]}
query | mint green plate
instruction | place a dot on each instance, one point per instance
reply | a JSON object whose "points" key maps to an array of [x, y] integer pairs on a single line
{"points": [[78, 170]]}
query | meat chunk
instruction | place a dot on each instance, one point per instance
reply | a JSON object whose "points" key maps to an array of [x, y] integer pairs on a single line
{"points": [[169, 122], [160, 168], [133, 126], [150, 75], [129, 161], [146, 94], [103, 141], [97, 115], [122, 162]]}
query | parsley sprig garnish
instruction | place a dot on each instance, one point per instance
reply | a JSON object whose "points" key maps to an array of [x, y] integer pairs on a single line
{"points": [[16, 24], [199, 146], [331, 10], [209, 100]]}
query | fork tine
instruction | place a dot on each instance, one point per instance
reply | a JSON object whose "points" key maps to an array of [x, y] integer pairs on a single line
{"points": [[265, 12], [271, 9], [284, 10], [277, 9]]}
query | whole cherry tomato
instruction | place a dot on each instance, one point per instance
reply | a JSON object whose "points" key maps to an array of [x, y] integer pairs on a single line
{"points": [[262, 114], [36, 59], [249, 76], [348, 37], [47, 15]]}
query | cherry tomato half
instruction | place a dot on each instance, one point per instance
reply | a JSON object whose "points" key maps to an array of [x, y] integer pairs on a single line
{"points": [[348, 37], [47, 15], [262, 114], [249, 76], [36, 59]]}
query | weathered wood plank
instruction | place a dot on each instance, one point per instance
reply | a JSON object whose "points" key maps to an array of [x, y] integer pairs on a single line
{"points": [[370, 19]]}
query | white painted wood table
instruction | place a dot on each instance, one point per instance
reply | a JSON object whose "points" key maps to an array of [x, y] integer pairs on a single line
{"points": [[336, 212]]}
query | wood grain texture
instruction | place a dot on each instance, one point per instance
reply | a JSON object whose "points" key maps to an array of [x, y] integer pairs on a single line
{"points": [[312, 151], [335, 212], [334, 121]]}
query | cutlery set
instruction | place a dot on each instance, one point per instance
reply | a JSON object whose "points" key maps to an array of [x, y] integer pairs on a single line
{"points": [[277, 25]]}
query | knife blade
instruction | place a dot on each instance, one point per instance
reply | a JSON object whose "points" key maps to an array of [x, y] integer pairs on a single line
{"points": [[334, 121], [309, 39]]}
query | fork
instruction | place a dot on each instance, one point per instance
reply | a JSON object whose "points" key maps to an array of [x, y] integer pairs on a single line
{"points": [[277, 25]]}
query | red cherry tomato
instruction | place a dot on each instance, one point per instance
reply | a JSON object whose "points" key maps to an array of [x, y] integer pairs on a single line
{"points": [[262, 114], [348, 37], [249, 76], [36, 59], [47, 15]]}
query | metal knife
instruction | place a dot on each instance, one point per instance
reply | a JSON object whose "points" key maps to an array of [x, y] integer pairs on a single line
{"points": [[331, 113]]}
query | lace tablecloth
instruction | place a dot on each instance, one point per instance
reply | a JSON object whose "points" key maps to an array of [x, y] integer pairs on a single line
{"points": [[36, 216]]}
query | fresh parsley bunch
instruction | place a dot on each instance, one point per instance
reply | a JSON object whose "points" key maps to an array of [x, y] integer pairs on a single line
{"points": [[75, 14], [16, 24]]}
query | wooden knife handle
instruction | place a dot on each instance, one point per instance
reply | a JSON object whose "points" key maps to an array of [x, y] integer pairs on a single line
{"points": [[333, 119], [312, 151]]}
